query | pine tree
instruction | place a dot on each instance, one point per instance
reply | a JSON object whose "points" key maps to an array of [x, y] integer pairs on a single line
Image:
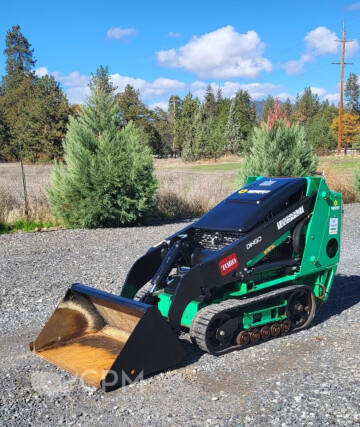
{"points": [[17, 88], [245, 113], [278, 151], [352, 91], [108, 178], [19, 57], [320, 135], [209, 102], [232, 131], [101, 80], [288, 108], [203, 147], [131, 107], [268, 106], [35, 109], [4, 138], [164, 128], [186, 127], [219, 96], [306, 106], [174, 109]]}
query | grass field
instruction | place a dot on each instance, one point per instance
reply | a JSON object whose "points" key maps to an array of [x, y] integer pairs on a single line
{"points": [[186, 189]]}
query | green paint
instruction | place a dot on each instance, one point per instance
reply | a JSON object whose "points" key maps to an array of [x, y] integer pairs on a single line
{"points": [[264, 316], [192, 308]]}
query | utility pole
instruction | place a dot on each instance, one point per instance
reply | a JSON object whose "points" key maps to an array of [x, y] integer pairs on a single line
{"points": [[174, 139], [343, 42]]}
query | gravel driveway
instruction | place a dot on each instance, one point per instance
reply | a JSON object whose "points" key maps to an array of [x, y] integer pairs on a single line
{"points": [[308, 378]]}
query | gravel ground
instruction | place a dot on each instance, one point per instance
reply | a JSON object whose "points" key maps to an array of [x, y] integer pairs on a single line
{"points": [[308, 378]]}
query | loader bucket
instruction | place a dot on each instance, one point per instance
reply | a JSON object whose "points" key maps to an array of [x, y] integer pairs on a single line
{"points": [[106, 340]]}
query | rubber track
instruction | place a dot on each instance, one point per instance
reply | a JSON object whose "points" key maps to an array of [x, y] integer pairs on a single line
{"points": [[204, 316]]}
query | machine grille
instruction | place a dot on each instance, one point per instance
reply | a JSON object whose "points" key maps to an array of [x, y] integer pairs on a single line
{"points": [[215, 240]]}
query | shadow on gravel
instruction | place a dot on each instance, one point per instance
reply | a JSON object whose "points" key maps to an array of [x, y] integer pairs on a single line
{"points": [[344, 294]]}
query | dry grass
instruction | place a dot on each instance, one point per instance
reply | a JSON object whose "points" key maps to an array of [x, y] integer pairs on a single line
{"points": [[189, 194], [12, 193], [339, 172]]}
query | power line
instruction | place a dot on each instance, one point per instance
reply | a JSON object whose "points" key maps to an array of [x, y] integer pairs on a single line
{"points": [[343, 41]]}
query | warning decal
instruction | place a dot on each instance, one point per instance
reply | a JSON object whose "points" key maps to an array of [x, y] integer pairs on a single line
{"points": [[333, 225]]}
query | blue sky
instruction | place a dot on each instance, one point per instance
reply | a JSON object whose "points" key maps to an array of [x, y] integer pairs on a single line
{"points": [[165, 48]]}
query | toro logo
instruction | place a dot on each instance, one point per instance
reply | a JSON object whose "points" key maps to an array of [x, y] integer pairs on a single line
{"points": [[228, 264]]}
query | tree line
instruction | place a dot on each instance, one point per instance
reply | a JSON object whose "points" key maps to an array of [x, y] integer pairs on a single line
{"points": [[34, 114]]}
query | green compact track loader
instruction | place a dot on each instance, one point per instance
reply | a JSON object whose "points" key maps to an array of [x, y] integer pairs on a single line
{"points": [[254, 267]]}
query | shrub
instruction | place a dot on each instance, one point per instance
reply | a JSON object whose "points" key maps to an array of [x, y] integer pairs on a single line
{"points": [[280, 150], [108, 178]]}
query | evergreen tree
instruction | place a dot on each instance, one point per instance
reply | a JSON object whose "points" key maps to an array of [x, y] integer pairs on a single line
{"points": [[268, 106], [320, 135], [164, 129], [278, 151], [202, 147], [4, 138], [35, 109], [17, 88], [219, 96], [352, 90], [245, 113], [218, 140], [174, 109], [131, 108], [108, 178], [288, 108], [186, 127], [209, 102], [306, 106], [19, 57], [233, 133], [101, 80]]}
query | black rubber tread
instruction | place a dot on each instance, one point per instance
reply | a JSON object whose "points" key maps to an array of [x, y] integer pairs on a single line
{"points": [[200, 323], [204, 316], [142, 291], [311, 314]]}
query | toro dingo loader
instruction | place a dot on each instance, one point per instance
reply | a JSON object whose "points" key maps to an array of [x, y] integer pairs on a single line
{"points": [[254, 267]]}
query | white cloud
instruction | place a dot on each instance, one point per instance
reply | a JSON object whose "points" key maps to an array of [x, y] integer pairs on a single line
{"points": [[353, 6], [72, 79], [41, 71], [161, 104], [283, 96], [156, 92], [119, 33], [77, 94], [148, 90], [320, 91], [223, 53], [318, 42], [256, 90], [333, 98], [174, 34], [321, 41]]}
